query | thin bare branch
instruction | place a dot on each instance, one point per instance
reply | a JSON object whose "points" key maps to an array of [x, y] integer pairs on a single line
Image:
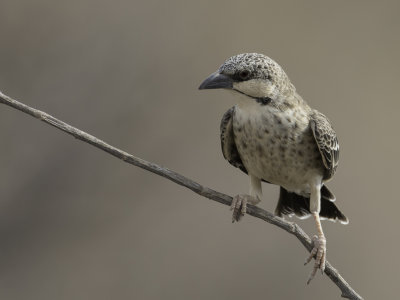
{"points": [[292, 228]]}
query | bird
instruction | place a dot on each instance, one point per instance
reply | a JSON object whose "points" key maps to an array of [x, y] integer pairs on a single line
{"points": [[274, 136]]}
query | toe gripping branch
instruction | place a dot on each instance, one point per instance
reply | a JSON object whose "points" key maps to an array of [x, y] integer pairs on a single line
{"points": [[318, 251], [239, 205]]}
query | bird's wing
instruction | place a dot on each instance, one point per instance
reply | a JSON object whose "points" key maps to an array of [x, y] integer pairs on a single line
{"points": [[327, 142], [229, 149]]}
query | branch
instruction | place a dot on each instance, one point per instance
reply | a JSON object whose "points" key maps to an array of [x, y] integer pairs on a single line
{"points": [[292, 228]]}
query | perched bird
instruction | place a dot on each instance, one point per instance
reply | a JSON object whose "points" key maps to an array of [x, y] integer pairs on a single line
{"points": [[272, 135]]}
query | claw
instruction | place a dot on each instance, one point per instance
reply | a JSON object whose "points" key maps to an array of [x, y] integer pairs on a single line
{"points": [[233, 204], [319, 251], [239, 206], [312, 253], [314, 271]]}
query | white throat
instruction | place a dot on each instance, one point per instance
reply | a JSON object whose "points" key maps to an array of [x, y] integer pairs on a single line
{"points": [[257, 88]]}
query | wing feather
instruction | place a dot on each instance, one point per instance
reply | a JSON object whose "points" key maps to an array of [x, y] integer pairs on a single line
{"points": [[327, 142], [228, 145]]}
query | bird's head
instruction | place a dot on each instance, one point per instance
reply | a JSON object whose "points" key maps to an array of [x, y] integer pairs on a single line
{"points": [[254, 75]]}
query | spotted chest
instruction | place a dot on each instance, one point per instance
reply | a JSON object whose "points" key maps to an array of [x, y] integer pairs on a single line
{"points": [[277, 146]]}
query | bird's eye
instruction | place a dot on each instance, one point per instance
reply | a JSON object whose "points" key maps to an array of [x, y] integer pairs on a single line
{"points": [[244, 74]]}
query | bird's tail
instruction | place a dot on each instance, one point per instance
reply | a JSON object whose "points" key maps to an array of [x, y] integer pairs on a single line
{"points": [[292, 204]]}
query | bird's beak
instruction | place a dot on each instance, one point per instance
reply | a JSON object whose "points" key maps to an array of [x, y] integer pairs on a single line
{"points": [[216, 81]]}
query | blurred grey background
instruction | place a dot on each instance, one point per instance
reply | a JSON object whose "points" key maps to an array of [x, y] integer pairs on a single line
{"points": [[76, 223]]}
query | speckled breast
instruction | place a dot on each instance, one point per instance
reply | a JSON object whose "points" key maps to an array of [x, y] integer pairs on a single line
{"points": [[277, 146]]}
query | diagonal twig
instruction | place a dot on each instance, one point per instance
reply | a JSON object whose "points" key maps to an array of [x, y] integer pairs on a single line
{"points": [[292, 228]]}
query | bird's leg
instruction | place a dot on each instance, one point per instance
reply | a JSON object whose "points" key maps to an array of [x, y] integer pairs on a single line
{"points": [[319, 250], [319, 241], [239, 202]]}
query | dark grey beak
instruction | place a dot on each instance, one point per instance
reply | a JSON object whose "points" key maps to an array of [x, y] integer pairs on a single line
{"points": [[216, 81]]}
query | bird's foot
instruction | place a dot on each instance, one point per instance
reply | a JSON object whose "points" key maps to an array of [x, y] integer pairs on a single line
{"points": [[319, 251], [239, 205]]}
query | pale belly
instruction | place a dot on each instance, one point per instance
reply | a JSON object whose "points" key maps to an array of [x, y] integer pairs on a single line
{"points": [[278, 147]]}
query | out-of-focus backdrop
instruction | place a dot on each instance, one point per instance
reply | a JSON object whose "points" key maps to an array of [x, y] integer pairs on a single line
{"points": [[76, 223]]}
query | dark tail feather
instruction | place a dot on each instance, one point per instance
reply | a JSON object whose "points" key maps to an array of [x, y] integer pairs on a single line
{"points": [[293, 204], [327, 194]]}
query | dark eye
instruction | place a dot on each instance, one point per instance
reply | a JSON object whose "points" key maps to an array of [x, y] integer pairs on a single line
{"points": [[244, 74]]}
